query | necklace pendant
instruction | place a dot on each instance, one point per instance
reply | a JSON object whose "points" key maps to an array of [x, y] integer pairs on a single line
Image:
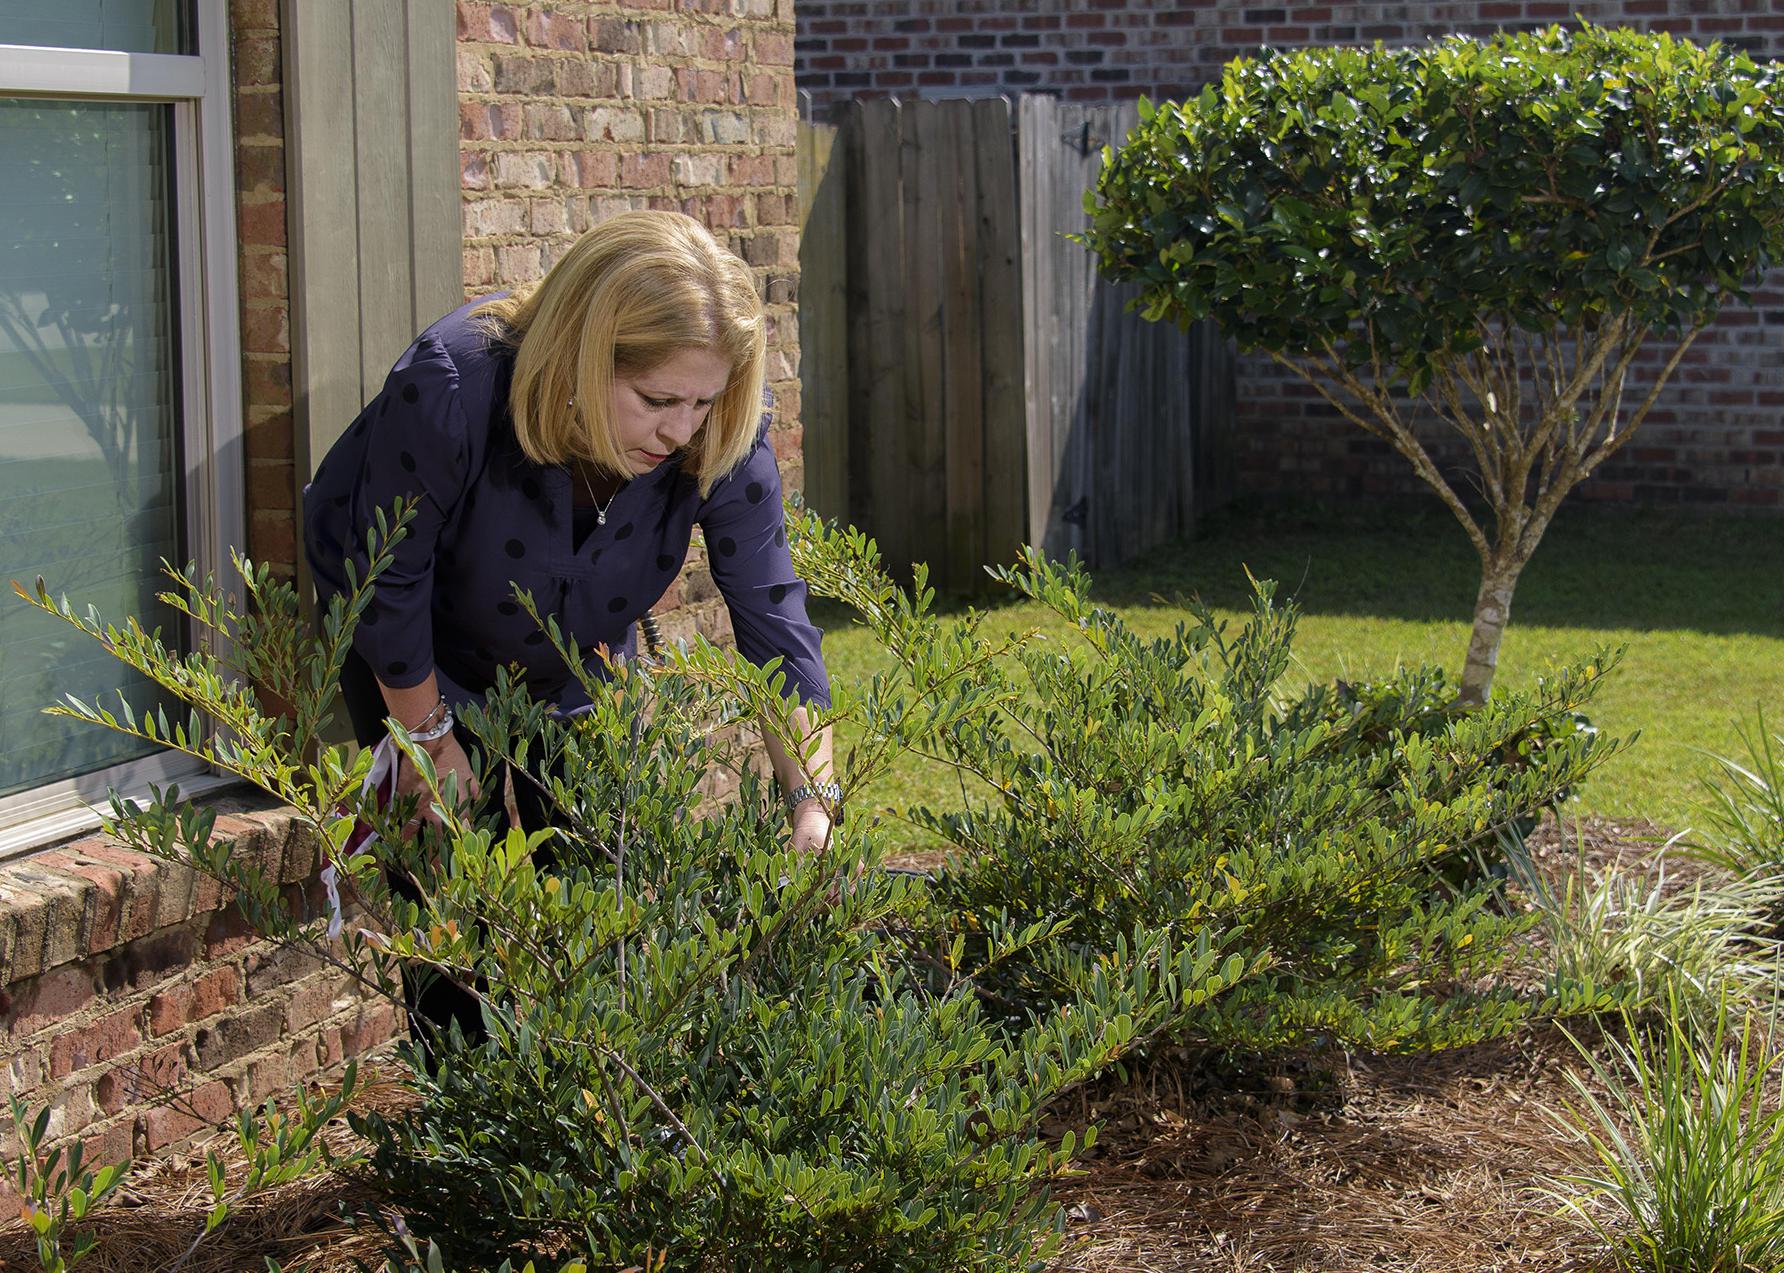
{"points": [[600, 517]]}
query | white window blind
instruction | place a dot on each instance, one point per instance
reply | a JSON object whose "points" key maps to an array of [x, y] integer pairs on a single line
{"points": [[124, 26], [90, 471]]}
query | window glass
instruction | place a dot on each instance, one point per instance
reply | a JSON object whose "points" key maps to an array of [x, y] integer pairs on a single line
{"points": [[124, 26], [89, 376]]}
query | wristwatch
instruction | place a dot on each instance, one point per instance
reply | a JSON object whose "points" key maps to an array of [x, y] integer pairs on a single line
{"points": [[830, 791]]}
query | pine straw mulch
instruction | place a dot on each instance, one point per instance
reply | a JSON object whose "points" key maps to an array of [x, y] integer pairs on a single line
{"points": [[1419, 1163]]}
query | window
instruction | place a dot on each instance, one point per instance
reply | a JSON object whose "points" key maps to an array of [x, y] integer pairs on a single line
{"points": [[119, 367]]}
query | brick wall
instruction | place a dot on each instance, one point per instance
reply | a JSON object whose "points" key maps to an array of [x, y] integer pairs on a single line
{"points": [[139, 1007], [1717, 434], [570, 112], [272, 482]]}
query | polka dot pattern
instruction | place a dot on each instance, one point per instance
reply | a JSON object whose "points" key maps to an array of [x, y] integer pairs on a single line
{"points": [[497, 522]]}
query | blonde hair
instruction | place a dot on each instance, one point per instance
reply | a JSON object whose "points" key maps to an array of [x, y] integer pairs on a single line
{"points": [[629, 294]]}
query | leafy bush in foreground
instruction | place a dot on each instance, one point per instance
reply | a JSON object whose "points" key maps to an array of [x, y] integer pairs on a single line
{"points": [[1147, 793], [703, 1050]]}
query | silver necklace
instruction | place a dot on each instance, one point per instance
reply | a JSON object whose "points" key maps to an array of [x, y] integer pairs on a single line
{"points": [[600, 508]]}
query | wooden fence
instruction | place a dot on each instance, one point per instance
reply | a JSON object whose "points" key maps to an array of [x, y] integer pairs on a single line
{"points": [[969, 382]]}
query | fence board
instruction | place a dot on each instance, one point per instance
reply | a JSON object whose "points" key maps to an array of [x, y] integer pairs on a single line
{"points": [[923, 480], [1001, 305], [823, 319], [877, 330], [962, 328]]}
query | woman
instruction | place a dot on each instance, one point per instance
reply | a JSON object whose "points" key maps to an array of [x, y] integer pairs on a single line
{"points": [[563, 441]]}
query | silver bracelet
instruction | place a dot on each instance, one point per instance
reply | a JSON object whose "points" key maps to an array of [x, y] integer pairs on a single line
{"points": [[437, 732], [428, 721], [830, 791]]}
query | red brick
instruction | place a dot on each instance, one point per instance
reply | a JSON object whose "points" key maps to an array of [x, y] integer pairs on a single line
{"points": [[260, 168], [264, 276], [234, 1036], [257, 61], [375, 1025], [262, 225], [267, 383], [61, 901], [194, 1001], [46, 999], [109, 1143], [228, 932], [260, 115], [105, 904], [267, 330], [271, 1076], [207, 1106], [148, 1078], [99, 1040], [614, 35], [553, 31], [254, 15], [316, 1001], [644, 170], [269, 438], [597, 168]]}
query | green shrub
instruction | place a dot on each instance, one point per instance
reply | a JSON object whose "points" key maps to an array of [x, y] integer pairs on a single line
{"points": [[1147, 795], [704, 1050], [1688, 1147]]}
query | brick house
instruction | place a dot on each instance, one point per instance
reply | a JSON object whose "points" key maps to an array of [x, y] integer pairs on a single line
{"points": [[235, 214], [1716, 437]]}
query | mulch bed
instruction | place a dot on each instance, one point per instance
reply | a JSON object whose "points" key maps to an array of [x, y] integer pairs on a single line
{"points": [[1420, 1163]]}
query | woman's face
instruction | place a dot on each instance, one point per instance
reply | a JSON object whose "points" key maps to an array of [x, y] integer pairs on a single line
{"points": [[657, 412]]}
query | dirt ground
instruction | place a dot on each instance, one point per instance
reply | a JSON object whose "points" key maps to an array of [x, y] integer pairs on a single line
{"points": [[1408, 1163]]}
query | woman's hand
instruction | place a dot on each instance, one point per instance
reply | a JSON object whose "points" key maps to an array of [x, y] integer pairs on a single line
{"points": [[811, 826], [449, 758]]}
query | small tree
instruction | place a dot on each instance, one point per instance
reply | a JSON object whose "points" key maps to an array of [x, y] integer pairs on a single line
{"points": [[1493, 228]]}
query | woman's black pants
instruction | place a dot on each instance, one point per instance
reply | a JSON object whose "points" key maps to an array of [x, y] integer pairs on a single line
{"points": [[434, 1002]]}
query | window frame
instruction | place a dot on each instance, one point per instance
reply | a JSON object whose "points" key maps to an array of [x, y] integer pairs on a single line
{"points": [[198, 87]]}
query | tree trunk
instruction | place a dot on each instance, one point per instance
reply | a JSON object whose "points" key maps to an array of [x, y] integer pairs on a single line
{"points": [[1492, 610]]}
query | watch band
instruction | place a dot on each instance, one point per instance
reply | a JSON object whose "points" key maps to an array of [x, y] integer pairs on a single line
{"points": [[831, 791]]}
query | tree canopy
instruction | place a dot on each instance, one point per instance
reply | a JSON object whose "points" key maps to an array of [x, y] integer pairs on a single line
{"points": [[1553, 177]]}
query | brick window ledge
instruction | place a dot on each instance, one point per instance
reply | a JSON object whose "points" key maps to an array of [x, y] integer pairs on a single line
{"points": [[139, 1005]]}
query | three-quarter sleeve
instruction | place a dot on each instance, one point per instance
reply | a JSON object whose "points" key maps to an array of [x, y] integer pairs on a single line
{"points": [[746, 547], [409, 443]]}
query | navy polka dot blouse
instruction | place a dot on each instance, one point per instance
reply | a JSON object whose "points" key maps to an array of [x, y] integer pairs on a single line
{"points": [[490, 522]]}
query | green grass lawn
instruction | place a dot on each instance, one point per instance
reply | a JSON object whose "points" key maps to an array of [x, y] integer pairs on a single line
{"points": [[1698, 601]]}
